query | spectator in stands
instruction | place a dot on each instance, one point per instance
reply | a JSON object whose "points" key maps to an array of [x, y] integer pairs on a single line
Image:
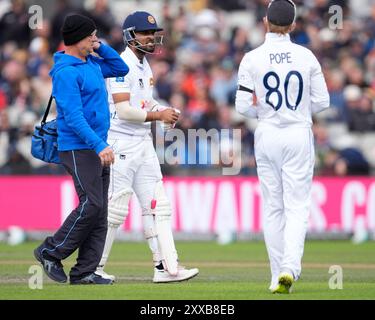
{"points": [[17, 164], [361, 115], [335, 83], [224, 83], [41, 86], [103, 17], [4, 137], [3, 100], [239, 43], [14, 25], [322, 144], [38, 54], [346, 162]]}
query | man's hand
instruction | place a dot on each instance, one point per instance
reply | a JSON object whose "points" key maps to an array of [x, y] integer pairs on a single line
{"points": [[96, 45], [169, 115], [107, 157]]}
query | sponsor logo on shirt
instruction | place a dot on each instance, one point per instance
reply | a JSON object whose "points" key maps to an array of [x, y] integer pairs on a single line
{"points": [[141, 85], [120, 79]]}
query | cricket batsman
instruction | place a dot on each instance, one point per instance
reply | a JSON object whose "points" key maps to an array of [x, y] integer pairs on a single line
{"points": [[136, 168]]}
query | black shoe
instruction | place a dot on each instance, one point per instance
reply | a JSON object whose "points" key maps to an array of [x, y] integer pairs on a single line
{"points": [[92, 278], [53, 269]]}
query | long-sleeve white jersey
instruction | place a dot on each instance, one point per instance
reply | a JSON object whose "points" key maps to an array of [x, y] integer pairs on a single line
{"points": [[287, 81], [139, 83]]}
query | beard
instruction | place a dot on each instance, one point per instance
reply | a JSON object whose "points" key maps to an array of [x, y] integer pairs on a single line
{"points": [[148, 48]]}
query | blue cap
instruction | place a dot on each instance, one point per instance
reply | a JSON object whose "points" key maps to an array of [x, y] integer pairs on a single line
{"points": [[141, 21]]}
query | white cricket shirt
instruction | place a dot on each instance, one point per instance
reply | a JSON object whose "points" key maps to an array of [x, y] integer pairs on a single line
{"points": [[139, 83], [287, 80]]}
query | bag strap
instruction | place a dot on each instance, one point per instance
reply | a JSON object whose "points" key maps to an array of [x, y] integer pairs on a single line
{"points": [[47, 111]]}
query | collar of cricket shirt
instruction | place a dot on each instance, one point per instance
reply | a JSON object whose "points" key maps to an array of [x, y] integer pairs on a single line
{"points": [[270, 36], [134, 58]]}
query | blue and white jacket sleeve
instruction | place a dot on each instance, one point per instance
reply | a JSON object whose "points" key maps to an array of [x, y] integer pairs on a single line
{"points": [[68, 97], [110, 62]]}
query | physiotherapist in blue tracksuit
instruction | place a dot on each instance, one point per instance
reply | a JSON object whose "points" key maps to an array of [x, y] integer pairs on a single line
{"points": [[83, 121]]}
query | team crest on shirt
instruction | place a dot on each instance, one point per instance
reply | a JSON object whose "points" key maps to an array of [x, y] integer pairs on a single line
{"points": [[151, 82], [120, 79]]}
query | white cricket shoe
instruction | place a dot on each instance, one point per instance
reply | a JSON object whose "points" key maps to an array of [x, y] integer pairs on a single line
{"points": [[100, 272], [162, 276]]}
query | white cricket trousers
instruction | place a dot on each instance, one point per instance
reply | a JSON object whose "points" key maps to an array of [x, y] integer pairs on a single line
{"points": [[137, 166], [285, 164]]}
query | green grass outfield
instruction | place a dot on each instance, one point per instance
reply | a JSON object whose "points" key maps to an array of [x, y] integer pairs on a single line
{"points": [[236, 271]]}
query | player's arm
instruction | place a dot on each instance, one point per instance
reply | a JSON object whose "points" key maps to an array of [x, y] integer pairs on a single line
{"points": [[318, 90], [245, 95], [126, 112]]}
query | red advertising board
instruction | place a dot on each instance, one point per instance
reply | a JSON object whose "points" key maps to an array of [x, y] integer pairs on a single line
{"points": [[203, 205]]}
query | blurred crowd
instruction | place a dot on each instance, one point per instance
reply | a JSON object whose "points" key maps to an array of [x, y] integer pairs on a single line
{"points": [[204, 42]]}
